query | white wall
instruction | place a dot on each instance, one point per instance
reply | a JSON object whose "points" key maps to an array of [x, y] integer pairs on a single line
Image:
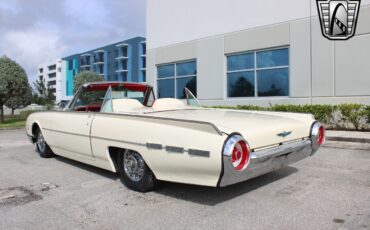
{"points": [[59, 76], [174, 21], [321, 71]]}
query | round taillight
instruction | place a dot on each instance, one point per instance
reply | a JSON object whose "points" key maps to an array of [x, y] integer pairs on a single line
{"points": [[237, 150], [240, 155], [321, 136]]}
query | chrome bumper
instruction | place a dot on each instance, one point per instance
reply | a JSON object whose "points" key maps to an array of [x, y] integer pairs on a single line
{"points": [[265, 161]]}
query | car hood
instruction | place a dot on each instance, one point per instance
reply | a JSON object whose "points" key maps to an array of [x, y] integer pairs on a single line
{"points": [[260, 129]]}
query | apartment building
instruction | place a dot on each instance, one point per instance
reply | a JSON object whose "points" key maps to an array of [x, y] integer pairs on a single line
{"points": [[51, 73], [121, 61]]}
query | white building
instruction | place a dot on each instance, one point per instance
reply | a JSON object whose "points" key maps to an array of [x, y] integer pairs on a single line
{"points": [[254, 52], [51, 73]]}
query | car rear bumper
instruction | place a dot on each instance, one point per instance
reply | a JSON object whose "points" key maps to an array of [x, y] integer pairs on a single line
{"points": [[267, 160]]}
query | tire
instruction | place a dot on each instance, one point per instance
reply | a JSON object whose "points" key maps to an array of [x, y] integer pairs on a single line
{"points": [[41, 146], [135, 173]]}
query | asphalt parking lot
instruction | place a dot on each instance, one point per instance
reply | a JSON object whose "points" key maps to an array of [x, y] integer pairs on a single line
{"points": [[330, 190]]}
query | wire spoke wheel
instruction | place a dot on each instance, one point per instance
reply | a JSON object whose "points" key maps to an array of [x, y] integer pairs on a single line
{"points": [[41, 143], [134, 165]]}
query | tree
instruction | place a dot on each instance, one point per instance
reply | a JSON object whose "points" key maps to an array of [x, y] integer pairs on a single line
{"points": [[241, 88], [13, 82], [42, 93], [85, 77], [21, 100]]}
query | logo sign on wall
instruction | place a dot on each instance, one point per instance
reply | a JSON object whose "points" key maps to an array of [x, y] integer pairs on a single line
{"points": [[338, 18]]}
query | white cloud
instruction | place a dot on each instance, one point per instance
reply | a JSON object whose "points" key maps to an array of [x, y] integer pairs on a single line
{"points": [[31, 48], [33, 32]]}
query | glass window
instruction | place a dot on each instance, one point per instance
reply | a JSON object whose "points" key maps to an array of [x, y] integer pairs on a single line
{"points": [[186, 68], [165, 71], [241, 84], [70, 64], [273, 58], [273, 82], [123, 76], [143, 62], [183, 77], [271, 72], [143, 72], [166, 88], [240, 62], [186, 82]]}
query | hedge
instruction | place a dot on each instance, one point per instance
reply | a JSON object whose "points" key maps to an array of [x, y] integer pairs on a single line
{"points": [[343, 116]]}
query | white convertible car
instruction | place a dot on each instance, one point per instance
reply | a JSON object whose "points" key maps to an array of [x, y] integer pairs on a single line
{"points": [[122, 128]]}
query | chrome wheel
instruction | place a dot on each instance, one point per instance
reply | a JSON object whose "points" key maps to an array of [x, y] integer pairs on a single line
{"points": [[133, 165], [41, 144]]}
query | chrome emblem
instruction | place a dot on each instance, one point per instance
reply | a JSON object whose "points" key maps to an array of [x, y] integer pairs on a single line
{"points": [[284, 134], [338, 18]]}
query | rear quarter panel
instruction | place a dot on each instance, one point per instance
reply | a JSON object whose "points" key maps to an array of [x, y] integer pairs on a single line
{"points": [[132, 132]]}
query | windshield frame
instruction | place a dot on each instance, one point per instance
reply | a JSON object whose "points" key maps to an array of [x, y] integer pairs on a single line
{"points": [[146, 89]]}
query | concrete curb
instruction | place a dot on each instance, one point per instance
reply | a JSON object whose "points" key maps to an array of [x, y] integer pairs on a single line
{"points": [[348, 139]]}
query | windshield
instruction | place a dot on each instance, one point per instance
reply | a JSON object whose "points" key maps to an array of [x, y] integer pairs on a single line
{"points": [[92, 98]]}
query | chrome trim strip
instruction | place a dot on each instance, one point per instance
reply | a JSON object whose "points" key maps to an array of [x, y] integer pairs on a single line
{"points": [[200, 153], [154, 146], [174, 149]]}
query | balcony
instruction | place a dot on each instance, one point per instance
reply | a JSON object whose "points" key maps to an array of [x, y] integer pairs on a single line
{"points": [[121, 51], [98, 60]]}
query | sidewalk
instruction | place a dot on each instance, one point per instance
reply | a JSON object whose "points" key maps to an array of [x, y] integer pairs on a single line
{"points": [[348, 139], [348, 136]]}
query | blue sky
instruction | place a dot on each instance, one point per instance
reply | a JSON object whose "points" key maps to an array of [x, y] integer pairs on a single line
{"points": [[35, 31]]}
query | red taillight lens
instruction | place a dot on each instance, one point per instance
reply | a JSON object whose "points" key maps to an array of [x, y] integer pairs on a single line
{"points": [[236, 152], [240, 155], [321, 135]]}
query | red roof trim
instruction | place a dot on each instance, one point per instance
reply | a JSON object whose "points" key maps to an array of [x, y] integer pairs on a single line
{"points": [[128, 86]]}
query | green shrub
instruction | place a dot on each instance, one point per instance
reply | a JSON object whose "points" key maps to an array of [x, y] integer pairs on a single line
{"points": [[367, 111], [352, 113]]}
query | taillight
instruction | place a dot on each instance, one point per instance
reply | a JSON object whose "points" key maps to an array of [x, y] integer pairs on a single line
{"points": [[317, 136], [321, 136], [237, 149]]}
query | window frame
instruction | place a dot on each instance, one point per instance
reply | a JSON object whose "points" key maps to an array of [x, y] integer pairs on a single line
{"points": [[255, 70], [175, 77]]}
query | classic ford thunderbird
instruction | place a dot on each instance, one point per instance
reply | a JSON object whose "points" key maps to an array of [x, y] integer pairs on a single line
{"points": [[123, 128]]}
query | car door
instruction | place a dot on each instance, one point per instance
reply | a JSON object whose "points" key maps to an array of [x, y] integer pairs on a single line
{"points": [[72, 127], [68, 134]]}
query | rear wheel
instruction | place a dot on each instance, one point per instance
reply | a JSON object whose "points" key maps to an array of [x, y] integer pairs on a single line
{"points": [[134, 172], [42, 147]]}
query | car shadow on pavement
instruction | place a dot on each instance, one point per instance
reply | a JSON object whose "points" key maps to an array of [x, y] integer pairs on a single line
{"points": [[90, 168], [213, 196]]}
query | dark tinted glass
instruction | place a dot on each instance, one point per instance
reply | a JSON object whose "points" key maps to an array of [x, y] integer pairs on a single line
{"points": [[240, 84], [273, 58], [166, 88], [273, 82], [166, 71], [240, 61], [186, 68], [188, 82]]}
